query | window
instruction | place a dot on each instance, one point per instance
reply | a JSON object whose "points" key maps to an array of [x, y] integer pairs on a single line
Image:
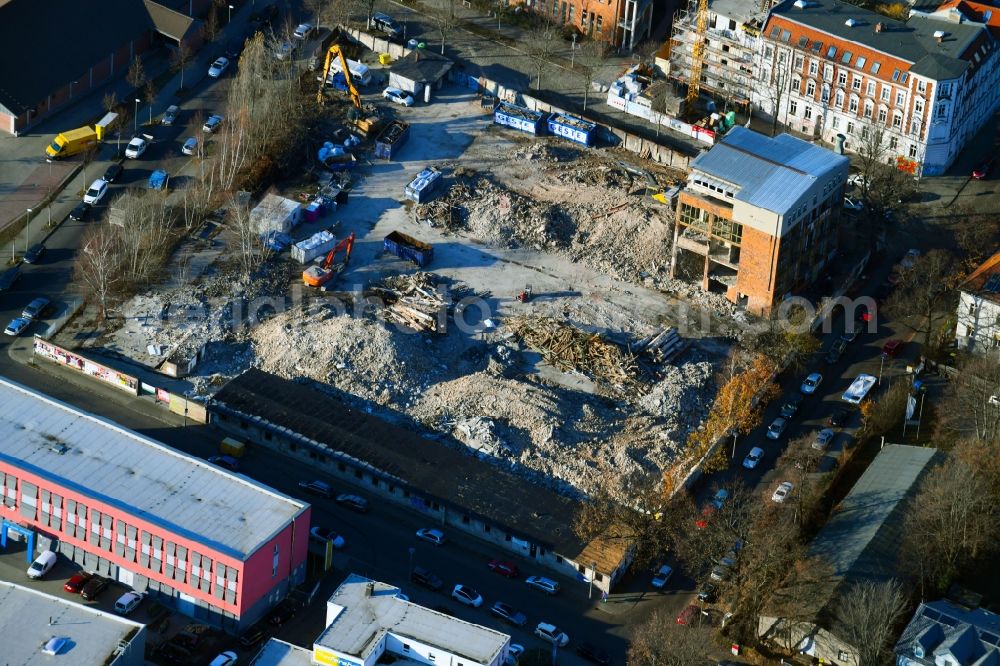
{"points": [[600, 23], [883, 114], [846, 58], [769, 52], [826, 93], [856, 83], [895, 75], [486, 528], [842, 78], [860, 64], [555, 8], [275, 561], [828, 73], [913, 151], [810, 89], [836, 122], [921, 87], [886, 91], [893, 142], [897, 119], [850, 127], [871, 88], [732, 24], [817, 47], [583, 17], [793, 108], [942, 111], [900, 98], [465, 519], [798, 63], [918, 107], [785, 36], [807, 112], [406, 647], [853, 107], [813, 68], [831, 52], [797, 85], [875, 67], [839, 99], [572, 9]]}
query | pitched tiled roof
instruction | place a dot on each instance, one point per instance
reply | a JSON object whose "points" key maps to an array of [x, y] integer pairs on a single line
{"points": [[985, 280]]}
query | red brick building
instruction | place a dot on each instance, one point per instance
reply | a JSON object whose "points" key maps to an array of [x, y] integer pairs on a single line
{"points": [[58, 50], [759, 216], [623, 23]]}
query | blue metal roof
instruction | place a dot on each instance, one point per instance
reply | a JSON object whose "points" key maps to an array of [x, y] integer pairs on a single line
{"points": [[769, 172]]}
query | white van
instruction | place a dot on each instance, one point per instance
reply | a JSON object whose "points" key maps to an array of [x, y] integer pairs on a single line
{"points": [[360, 74], [42, 565]]}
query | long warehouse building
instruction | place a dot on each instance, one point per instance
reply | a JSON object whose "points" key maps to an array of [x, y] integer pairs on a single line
{"points": [[213, 545]]}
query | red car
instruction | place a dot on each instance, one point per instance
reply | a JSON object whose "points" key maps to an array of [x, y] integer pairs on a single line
{"points": [[983, 170], [76, 583], [891, 348], [689, 615], [504, 568]]}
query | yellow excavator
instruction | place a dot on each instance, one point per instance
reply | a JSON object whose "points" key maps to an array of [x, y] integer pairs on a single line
{"points": [[364, 125]]}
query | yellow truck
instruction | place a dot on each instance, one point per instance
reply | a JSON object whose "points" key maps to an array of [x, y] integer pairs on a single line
{"points": [[72, 142], [233, 447]]}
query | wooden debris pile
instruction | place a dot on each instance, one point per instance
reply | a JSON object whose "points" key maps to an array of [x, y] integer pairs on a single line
{"points": [[415, 301], [665, 346], [569, 348]]}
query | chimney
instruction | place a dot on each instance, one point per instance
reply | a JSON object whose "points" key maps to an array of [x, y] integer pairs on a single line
{"points": [[369, 588], [939, 35]]}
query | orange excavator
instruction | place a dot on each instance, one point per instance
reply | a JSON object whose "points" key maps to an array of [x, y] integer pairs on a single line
{"points": [[319, 275]]}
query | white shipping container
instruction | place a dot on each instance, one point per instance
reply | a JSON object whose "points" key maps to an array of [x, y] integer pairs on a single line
{"points": [[276, 214], [314, 246]]}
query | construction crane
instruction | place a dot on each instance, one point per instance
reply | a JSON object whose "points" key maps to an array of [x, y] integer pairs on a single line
{"points": [[317, 276], [697, 58], [334, 51]]}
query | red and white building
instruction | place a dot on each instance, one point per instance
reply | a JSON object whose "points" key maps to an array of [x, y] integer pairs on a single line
{"points": [[928, 84], [213, 545]]}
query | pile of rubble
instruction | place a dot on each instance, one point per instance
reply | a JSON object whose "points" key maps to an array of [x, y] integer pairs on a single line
{"points": [[415, 301]]}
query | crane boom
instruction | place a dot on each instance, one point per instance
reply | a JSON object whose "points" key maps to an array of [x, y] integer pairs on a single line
{"points": [[697, 57], [335, 50]]}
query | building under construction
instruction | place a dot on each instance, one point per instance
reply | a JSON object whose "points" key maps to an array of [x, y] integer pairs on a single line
{"points": [[717, 44]]}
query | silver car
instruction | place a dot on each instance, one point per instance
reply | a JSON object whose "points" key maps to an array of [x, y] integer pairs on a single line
{"points": [[190, 146]]}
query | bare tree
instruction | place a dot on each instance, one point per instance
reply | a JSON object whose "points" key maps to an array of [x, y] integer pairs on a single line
{"points": [[136, 76], [110, 101], [97, 266], [660, 641], [212, 26], [252, 252], [446, 24], [972, 400], [143, 230], [543, 42], [871, 148], [180, 58], [866, 619], [882, 415], [783, 338], [149, 96], [923, 296], [777, 76], [592, 56]]}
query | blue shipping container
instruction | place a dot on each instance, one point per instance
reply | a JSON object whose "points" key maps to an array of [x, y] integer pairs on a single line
{"points": [[519, 118], [573, 128], [423, 187]]}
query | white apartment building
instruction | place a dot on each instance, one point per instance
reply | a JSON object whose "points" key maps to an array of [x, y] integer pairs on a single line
{"points": [[366, 619], [841, 69], [978, 317]]}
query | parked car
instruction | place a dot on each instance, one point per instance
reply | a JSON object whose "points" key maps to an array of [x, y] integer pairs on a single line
{"points": [[839, 417], [432, 535], [823, 439], [353, 502], [791, 407], [708, 592], [756, 453], [836, 350], [851, 332], [783, 491], [17, 326], [112, 172], [227, 462], [853, 205], [719, 498], [504, 568], [283, 612], [397, 96], [464, 594], [94, 587], [514, 652], [213, 123], [34, 253], [284, 51], [891, 348], [227, 658], [549, 632], [136, 147], [317, 488], [170, 115], [325, 534], [190, 146], [543, 584], [984, 168], [858, 180], [219, 67], [80, 212], [303, 31], [425, 578], [662, 576], [508, 614], [158, 180], [77, 581], [128, 602], [96, 192], [593, 653], [777, 428], [36, 308], [719, 573], [254, 636], [690, 615], [811, 383], [864, 314]]}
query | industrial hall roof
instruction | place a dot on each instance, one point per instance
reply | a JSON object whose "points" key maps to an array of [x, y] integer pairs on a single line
{"points": [[447, 474], [137, 475]]}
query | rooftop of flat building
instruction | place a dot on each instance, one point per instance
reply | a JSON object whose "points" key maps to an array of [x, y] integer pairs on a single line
{"points": [[55, 442], [31, 618]]}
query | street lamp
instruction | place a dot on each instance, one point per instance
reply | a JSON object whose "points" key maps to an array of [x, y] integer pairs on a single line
{"points": [[135, 116], [572, 57], [593, 574], [48, 190], [27, 229], [412, 551], [71, 84], [880, 366], [230, 20]]}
